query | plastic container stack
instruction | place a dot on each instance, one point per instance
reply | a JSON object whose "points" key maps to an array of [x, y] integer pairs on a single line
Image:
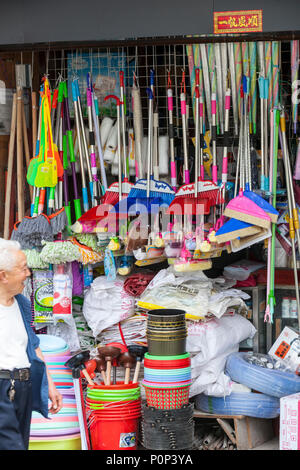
{"points": [[61, 431], [167, 380], [113, 414]]}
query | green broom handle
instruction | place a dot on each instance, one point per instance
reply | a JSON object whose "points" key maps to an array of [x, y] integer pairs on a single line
{"points": [[77, 203], [272, 300]]}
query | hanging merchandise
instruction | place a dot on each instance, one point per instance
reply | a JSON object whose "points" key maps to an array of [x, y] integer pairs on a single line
{"points": [[62, 292], [138, 128], [43, 295], [150, 188], [59, 251], [294, 79]]}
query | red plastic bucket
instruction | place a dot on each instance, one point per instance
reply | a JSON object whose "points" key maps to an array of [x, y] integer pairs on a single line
{"points": [[120, 408], [117, 386], [167, 364], [114, 432]]}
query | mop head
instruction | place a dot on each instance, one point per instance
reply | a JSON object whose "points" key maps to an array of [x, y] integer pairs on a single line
{"points": [[59, 252], [233, 229], [86, 254], [244, 209], [30, 232], [58, 221], [90, 240], [34, 260]]}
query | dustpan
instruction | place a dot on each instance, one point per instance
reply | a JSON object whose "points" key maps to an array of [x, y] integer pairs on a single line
{"points": [[233, 229], [46, 175], [244, 209], [260, 201], [242, 243], [39, 151]]}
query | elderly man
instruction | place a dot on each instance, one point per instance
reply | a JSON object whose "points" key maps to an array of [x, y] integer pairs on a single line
{"points": [[25, 382]]}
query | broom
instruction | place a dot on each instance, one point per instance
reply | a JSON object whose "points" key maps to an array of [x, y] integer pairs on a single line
{"points": [[200, 194], [293, 214], [83, 179], [171, 136], [120, 189], [150, 188], [243, 208], [260, 201], [76, 200]]}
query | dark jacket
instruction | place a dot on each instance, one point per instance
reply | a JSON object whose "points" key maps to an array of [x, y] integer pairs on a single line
{"points": [[38, 368]]}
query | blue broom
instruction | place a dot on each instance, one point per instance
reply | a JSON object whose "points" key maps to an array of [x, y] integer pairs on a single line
{"points": [[151, 188]]}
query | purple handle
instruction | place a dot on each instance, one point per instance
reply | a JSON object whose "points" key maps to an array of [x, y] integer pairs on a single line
{"points": [[215, 174], [89, 98], [186, 177], [170, 100], [213, 105]]}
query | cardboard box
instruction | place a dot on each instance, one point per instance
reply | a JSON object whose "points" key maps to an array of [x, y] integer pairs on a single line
{"points": [[290, 422], [287, 348]]}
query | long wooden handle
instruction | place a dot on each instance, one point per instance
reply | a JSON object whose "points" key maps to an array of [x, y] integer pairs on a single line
{"points": [[104, 377], [20, 176], [88, 378], [108, 372], [34, 121], [10, 164], [26, 144], [136, 372], [127, 375]]}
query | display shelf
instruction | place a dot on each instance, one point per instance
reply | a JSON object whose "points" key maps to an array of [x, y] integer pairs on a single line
{"points": [[256, 316], [247, 433]]}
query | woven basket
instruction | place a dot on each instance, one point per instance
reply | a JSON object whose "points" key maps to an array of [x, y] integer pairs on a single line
{"points": [[167, 398]]}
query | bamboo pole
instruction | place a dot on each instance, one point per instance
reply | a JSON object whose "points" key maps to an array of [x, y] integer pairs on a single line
{"points": [[10, 164], [20, 175]]}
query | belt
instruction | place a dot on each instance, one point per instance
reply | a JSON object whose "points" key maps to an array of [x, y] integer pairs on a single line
{"points": [[15, 374]]}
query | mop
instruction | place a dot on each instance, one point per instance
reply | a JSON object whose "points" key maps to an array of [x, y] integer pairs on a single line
{"points": [[293, 214], [220, 95], [267, 316], [120, 189], [233, 87], [260, 201], [83, 178], [89, 101], [271, 298], [264, 84], [171, 136], [138, 128], [95, 114], [76, 200], [206, 81], [294, 78]]}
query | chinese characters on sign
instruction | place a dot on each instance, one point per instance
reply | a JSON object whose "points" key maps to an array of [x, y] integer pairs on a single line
{"points": [[249, 21]]}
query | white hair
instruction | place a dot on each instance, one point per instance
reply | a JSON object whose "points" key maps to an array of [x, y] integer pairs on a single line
{"points": [[8, 250]]}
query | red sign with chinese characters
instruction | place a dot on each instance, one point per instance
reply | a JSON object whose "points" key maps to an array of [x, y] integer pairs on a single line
{"points": [[228, 22]]}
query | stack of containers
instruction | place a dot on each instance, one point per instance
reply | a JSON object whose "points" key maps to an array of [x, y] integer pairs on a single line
{"points": [[61, 431], [113, 414], [167, 380]]}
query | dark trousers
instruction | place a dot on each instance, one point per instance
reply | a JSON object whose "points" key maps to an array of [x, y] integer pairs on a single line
{"points": [[15, 416]]}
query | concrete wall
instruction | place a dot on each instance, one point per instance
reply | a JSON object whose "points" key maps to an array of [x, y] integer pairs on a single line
{"points": [[33, 21]]}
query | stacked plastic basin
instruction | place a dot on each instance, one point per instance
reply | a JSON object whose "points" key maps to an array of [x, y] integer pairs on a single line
{"points": [[167, 365], [61, 431], [167, 416], [113, 414]]}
